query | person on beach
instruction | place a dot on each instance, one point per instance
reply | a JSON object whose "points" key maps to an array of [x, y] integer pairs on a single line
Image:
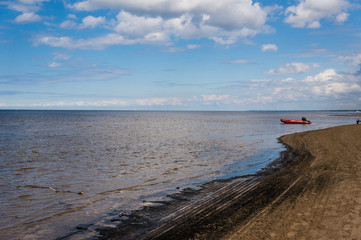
{"points": [[357, 121]]}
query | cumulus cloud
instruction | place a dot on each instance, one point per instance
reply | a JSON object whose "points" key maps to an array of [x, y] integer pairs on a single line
{"points": [[309, 13], [224, 23], [336, 88], [269, 47], [330, 83], [87, 22], [163, 21], [136, 26], [92, 22], [325, 76], [228, 14], [27, 17], [323, 88], [70, 22], [342, 17], [28, 9], [291, 68]]}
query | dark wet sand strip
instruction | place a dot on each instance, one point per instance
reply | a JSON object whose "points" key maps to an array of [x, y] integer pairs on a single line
{"points": [[312, 192]]}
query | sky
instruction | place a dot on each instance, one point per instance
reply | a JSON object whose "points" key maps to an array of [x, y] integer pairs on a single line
{"points": [[180, 55]]}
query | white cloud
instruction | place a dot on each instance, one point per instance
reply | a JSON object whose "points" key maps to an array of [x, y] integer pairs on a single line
{"points": [[325, 76], [54, 64], [234, 14], [238, 61], [209, 98], [164, 21], [323, 88], [342, 17], [182, 49], [66, 42], [137, 102], [91, 43], [331, 83], [336, 88], [117, 102], [72, 16], [308, 13], [87, 22], [269, 47], [68, 24], [21, 7], [27, 17], [92, 22], [137, 26], [314, 24], [353, 60], [61, 56], [291, 68], [288, 80], [228, 14], [149, 22], [185, 26], [193, 46], [32, 1], [28, 9], [173, 101]]}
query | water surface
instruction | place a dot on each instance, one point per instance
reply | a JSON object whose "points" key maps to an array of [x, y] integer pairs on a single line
{"points": [[59, 169]]}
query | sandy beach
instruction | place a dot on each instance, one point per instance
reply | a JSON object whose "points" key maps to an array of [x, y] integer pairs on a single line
{"points": [[312, 192], [324, 198]]}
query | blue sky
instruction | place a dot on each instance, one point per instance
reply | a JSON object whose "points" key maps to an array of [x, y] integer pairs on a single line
{"points": [[180, 55]]}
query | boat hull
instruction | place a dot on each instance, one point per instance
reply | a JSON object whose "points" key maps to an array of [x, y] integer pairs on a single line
{"points": [[294, 121]]}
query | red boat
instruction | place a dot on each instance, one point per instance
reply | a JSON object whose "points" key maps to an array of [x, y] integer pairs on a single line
{"points": [[294, 121]]}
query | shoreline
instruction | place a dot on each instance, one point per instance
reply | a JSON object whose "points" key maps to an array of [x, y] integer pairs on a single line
{"points": [[324, 200], [312, 194], [169, 219]]}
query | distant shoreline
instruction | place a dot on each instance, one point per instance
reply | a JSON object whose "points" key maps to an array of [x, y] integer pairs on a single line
{"points": [[264, 205], [178, 110], [358, 114]]}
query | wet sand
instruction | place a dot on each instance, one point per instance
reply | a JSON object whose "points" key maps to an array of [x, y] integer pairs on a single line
{"points": [[312, 192]]}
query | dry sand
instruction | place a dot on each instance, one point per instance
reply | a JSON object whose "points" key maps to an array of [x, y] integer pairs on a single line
{"points": [[317, 195], [324, 200]]}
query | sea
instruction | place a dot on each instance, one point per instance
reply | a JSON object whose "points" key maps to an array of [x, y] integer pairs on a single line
{"points": [[65, 174]]}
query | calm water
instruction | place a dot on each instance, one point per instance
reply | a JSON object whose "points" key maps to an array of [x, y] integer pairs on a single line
{"points": [[120, 160]]}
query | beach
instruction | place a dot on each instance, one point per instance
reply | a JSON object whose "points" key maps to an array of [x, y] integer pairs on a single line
{"points": [[125, 161], [312, 191], [323, 200]]}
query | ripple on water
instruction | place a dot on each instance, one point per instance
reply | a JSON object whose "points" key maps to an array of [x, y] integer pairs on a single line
{"points": [[121, 161]]}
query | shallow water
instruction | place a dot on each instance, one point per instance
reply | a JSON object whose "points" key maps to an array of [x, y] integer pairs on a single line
{"points": [[63, 169]]}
